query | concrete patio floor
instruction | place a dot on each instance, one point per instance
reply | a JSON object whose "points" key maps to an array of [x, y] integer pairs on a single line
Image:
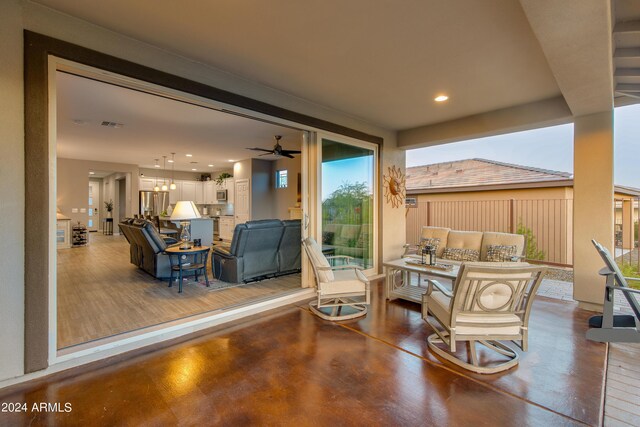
{"points": [[288, 367]]}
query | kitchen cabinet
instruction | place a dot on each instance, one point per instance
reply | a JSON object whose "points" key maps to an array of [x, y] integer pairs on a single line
{"points": [[147, 184], [229, 185], [210, 193], [189, 190], [175, 195], [227, 224], [199, 193]]}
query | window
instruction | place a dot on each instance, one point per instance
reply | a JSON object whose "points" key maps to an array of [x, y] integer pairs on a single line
{"points": [[281, 178]]}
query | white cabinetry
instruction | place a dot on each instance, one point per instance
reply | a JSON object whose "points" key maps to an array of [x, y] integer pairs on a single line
{"points": [[227, 224], [175, 195], [210, 188], [230, 186], [189, 190], [199, 193], [147, 184]]}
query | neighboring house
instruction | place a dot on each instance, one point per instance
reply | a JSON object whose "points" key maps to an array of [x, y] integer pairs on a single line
{"points": [[481, 194]]}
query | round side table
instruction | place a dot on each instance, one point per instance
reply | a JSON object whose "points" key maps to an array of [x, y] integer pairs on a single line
{"points": [[194, 262]]}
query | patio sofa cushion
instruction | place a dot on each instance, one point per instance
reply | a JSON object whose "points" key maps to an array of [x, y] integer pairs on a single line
{"points": [[500, 253], [461, 254], [465, 240], [505, 239], [436, 233]]}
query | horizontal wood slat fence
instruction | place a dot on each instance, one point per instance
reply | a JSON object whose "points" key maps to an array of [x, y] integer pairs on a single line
{"points": [[548, 223]]}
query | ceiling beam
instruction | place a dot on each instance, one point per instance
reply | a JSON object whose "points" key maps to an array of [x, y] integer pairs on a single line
{"points": [[626, 87], [576, 38], [630, 94], [629, 27], [548, 112], [627, 72], [628, 52]]}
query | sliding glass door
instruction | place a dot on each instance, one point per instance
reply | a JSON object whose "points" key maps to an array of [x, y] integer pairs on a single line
{"points": [[348, 214]]}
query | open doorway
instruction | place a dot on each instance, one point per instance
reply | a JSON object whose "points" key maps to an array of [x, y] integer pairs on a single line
{"points": [[160, 153]]}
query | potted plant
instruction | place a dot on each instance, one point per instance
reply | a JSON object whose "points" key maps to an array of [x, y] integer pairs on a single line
{"points": [[224, 175], [109, 207]]}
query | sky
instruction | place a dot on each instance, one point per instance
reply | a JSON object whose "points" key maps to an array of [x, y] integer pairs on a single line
{"points": [[547, 148], [336, 173]]}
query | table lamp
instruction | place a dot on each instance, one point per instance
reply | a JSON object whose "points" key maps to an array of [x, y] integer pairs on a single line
{"points": [[184, 212]]}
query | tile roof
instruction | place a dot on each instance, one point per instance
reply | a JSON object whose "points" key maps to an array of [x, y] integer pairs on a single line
{"points": [[477, 172]]}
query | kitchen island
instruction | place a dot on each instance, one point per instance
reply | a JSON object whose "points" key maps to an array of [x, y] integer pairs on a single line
{"points": [[201, 228]]}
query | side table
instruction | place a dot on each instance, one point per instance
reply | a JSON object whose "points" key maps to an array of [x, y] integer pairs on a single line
{"points": [[192, 260]]}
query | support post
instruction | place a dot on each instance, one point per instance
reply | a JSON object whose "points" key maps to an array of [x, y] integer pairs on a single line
{"points": [[593, 211]]}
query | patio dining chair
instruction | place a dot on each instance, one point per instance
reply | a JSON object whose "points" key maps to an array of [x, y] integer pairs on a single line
{"points": [[488, 304], [609, 327], [342, 290]]}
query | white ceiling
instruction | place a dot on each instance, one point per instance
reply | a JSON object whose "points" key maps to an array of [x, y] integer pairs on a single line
{"points": [[382, 61], [153, 127]]}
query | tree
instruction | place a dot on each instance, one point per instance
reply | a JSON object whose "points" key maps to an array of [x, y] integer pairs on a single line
{"points": [[348, 204], [531, 251]]}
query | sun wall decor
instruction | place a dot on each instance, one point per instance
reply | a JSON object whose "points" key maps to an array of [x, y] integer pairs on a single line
{"points": [[394, 186]]}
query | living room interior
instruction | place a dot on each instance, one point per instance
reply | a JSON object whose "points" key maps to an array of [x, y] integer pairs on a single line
{"points": [[126, 146]]}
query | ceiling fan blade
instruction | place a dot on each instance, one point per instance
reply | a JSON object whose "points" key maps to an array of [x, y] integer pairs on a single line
{"points": [[291, 151], [260, 149], [266, 154], [284, 154]]}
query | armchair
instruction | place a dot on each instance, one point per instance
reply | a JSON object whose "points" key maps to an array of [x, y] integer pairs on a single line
{"points": [[488, 304], [340, 287]]}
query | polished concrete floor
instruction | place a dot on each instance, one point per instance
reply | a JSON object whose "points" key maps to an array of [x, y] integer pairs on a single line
{"points": [[288, 367]]}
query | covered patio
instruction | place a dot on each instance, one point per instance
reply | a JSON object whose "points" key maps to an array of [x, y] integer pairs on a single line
{"points": [[290, 367]]}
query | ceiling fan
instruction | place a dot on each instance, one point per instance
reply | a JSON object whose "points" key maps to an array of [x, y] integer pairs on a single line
{"points": [[277, 149]]}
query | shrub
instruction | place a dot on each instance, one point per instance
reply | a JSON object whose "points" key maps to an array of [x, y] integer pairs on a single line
{"points": [[531, 251]]}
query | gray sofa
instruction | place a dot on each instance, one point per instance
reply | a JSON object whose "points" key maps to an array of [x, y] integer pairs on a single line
{"points": [[259, 250], [146, 247]]}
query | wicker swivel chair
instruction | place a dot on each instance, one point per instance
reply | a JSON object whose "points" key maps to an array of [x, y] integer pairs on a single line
{"points": [[342, 289], [489, 304]]}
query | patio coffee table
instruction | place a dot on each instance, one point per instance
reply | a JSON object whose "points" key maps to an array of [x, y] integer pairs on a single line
{"points": [[404, 289]]}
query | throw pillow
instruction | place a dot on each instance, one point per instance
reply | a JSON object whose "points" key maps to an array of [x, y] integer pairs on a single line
{"points": [[459, 254], [500, 253], [327, 237]]}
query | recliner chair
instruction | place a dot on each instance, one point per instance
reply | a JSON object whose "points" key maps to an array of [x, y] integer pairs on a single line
{"points": [[147, 247]]}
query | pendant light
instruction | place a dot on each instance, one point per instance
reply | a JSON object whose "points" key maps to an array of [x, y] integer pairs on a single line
{"points": [[173, 162], [156, 188], [164, 170]]}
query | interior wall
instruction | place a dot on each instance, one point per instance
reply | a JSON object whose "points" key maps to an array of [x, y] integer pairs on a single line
{"points": [[17, 15], [73, 181], [181, 175], [285, 198], [12, 189], [261, 190]]}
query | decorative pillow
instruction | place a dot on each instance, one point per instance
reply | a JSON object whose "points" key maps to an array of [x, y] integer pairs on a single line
{"points": [[500, 253], [327, 237], [430, 241], [459, 254]]}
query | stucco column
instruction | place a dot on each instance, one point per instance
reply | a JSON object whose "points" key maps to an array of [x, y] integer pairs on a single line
{"points": [[592, 204], [627, 224]]}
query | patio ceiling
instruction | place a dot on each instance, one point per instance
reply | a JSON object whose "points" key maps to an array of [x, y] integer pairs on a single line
{"points": [[505, 65]]}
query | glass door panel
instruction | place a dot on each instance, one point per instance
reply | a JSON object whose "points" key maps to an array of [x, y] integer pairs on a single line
{"points": [[348, 179]]}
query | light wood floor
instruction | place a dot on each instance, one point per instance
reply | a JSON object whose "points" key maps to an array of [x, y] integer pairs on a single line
{"points": [[101, 294]]}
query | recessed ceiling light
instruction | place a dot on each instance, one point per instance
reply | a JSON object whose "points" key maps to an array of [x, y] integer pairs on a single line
{"points": [[441, 98], [194, 169], [157, 166], [170, 161], [189, 155], [92, 173], [232, 160], [210, 166]]}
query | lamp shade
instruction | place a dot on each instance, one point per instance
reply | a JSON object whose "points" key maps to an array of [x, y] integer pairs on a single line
{"points": [[185, 210]]}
